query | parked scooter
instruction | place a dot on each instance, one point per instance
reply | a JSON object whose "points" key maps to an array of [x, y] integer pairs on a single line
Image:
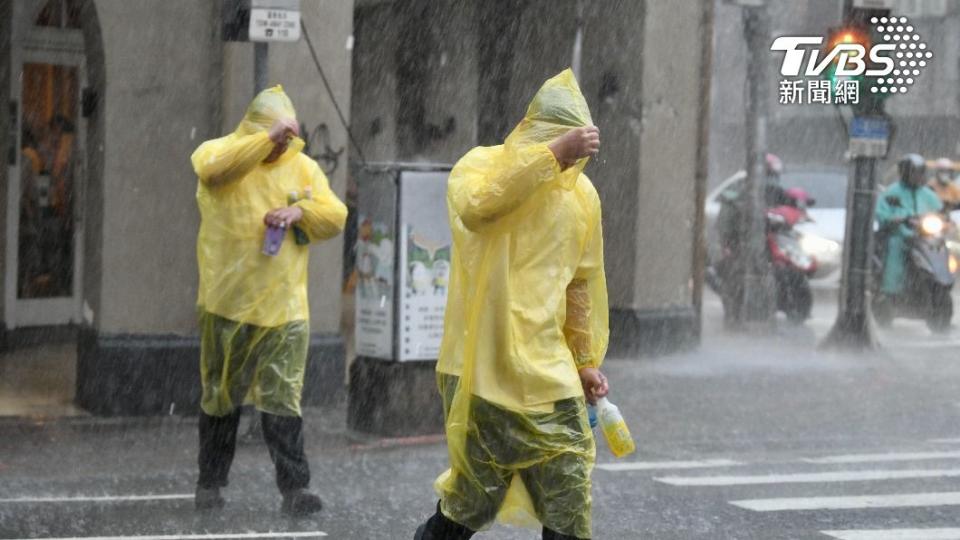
{"points": [[930, 274], [791, 265]]}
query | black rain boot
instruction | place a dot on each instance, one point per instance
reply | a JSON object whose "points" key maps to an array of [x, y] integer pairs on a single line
{"points": [[208, 499], [300, 502], [440, 527], [554, 535]]}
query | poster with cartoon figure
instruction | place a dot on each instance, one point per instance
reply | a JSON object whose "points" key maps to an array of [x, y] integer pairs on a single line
{"points": [[376, 256], [425, 263]]}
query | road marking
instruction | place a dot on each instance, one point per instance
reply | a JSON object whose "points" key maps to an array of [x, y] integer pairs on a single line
{"points": [[807, 478], [925, 344], [896, 534], [870, 458], [653, 465], [230, 536], [102, 498], [945, 441], [903, 500]]}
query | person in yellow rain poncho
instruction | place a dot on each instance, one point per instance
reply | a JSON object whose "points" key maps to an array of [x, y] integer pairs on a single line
{"points": [[525, 327], [254, 319]]}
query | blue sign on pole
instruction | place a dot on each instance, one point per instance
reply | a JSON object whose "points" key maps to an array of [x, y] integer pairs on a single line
{"points": [[869, 136]]}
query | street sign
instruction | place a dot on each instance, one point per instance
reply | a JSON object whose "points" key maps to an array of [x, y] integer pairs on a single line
{"points": [[875, 4], [274, 20], [261, 20], [869, 136], [274, 24]]}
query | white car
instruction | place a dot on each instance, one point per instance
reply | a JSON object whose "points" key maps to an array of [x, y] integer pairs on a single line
{"points": [[822, 237]]}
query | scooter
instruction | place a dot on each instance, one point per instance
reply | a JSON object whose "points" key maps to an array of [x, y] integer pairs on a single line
{"points": [[792, 266], [930, 274]]}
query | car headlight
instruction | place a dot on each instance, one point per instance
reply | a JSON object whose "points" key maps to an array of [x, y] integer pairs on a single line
{"points": [[931, 224]]}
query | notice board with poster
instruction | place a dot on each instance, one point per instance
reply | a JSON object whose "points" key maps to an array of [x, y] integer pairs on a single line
{"points": [[403, 260]]}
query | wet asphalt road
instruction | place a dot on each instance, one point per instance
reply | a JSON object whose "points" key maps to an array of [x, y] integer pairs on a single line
{"points": [[745, 438]]}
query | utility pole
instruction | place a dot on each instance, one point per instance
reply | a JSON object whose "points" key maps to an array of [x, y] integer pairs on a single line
{"points": [[260, 67], [578, 40], [758, 286], [869, 133]]}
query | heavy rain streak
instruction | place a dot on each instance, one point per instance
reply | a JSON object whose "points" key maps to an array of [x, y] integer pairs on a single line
{"points": [[507, 269]]}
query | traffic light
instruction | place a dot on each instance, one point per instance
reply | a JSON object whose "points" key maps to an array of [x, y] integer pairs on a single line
{"points": [[845, 35], [848, 35]]}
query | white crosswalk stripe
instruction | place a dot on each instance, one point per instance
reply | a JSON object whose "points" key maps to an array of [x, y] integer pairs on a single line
{"points": [[851, 502], [876, 458], [654, 465], [896, 534], [808, 478], [208, 536]]}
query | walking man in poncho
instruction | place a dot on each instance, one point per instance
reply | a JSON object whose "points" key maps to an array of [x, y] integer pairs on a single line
{"points": [[525, 327], [254, 319]]}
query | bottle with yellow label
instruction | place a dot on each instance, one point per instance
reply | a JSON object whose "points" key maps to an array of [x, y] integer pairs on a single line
{"points": [[614, 428]]}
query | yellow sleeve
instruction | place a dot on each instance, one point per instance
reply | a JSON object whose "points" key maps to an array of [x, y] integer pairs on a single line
{"points": [[577, 326], [587, 324], [228, 159], [482, 190], [324, 215]]}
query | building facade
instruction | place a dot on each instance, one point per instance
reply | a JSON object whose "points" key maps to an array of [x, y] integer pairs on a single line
{"points": [[107, 100]]}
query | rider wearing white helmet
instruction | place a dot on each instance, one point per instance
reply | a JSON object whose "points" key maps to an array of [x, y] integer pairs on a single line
{"points": [[943, 184]]}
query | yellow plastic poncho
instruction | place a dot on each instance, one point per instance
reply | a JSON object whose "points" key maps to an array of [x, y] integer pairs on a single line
{"points": [[254, 315], [527, 307]]}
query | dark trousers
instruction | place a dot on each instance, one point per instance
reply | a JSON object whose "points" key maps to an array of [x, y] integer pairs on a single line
{"points": [[440, 527], [284, 438]]}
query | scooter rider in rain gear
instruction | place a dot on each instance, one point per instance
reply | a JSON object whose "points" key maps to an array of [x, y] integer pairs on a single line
{"points": [[732, 234], [525, 327], [908, 198], [254, 319], [943, 184]]}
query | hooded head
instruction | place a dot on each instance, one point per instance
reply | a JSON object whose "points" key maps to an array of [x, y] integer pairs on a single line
{"points": [[266, 108], [558, 107]]}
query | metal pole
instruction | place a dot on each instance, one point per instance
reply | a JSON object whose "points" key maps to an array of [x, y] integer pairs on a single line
{"points": [[758, 284], [853, 329], [578, 40], [260, 71]]}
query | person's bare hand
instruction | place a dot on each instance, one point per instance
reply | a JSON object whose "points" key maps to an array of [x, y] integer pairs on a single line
{"points": [[283, 217], [576, 144], [282, 130], [594, 383]]}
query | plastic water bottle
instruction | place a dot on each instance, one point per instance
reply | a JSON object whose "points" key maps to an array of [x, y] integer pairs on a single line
{"points": [[614, 428]]}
